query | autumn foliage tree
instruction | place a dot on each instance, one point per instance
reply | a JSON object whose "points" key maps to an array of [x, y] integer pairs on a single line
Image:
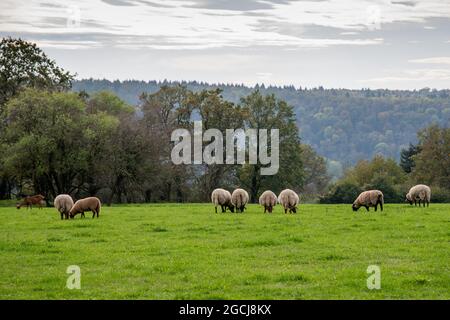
{"points": [[432, 163]]}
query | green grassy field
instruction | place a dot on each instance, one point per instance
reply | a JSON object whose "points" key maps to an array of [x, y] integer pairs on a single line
{"points": [[188, 252]]}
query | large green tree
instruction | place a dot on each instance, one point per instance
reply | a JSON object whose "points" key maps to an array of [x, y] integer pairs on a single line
{"points": [[433, 160], [268, 112], [164, 111], [50, 139], [216, 113], [24, 65]]}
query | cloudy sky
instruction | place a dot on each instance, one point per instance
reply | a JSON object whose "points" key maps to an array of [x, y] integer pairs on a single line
{"points": [[401, 44]]}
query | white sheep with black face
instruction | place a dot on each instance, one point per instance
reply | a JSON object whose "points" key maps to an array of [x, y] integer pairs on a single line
{"points": [[221, 197], [419, 193], [268, 200], [289, 200], [63, 203], [370, 198], [87, 204], [239, 198]]}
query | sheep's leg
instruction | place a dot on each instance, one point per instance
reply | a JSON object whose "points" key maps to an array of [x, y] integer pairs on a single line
{"points": [[367, 208], [285, 210], [376, 206], [216, 209], [381, 206], [223, 209], [62, 216]]}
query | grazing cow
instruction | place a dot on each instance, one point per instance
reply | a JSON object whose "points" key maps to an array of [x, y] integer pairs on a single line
{"points": [[37, 200]]}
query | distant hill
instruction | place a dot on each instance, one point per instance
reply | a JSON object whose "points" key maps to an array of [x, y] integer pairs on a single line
{"points": [[342, 125]]}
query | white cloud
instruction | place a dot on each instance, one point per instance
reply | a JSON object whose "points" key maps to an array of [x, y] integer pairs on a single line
{"points": [[433, 60], [175, 24], [67, 44]]}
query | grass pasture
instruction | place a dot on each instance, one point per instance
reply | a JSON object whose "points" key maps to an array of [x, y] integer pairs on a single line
{"points": [[186, 251]]}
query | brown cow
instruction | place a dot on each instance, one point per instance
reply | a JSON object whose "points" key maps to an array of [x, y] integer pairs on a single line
{"points": [[37, 200]]}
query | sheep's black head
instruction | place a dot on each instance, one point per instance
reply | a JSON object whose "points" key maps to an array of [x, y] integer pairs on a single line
{"points": [[18, 205], [355, 207], [408, 199], [294, 210], [231, 207], [270, 209]]}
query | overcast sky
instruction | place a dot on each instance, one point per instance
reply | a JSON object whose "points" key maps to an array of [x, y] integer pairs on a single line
{"points": [[334, 43]]}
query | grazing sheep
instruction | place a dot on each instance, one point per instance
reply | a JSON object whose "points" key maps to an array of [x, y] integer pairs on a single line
{"points": [[32, 200], [239, 198], [370, 198], [268, 199], [88, 204], [289, 200], [63, 203], [419, 192], [222, 197]]}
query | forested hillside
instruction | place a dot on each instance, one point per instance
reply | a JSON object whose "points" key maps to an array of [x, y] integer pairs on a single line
{"points": [[342, 125]]}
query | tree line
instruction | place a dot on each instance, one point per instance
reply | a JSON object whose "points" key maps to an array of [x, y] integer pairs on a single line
{"points": [[342, 125], [56, 141]]}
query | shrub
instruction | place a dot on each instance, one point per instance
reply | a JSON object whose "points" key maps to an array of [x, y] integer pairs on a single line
{"points": [[440, 195], [342, 193], [391, 192]]}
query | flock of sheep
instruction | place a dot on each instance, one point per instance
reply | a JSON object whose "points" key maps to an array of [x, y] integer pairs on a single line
{"points": [[237, 200], [289, 199]]}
